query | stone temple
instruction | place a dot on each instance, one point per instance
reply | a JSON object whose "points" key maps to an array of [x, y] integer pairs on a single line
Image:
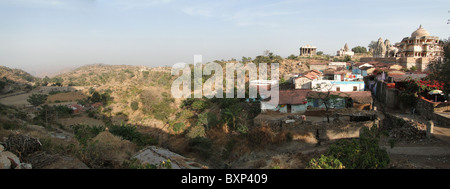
{"points": [[418, 50], [308, 50]]}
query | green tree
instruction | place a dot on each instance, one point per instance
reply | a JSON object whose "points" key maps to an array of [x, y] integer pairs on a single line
{"points": [[372, 45], [96, 97], [230, 115], [440, 69], [326, 98], [359, 49], [45, 81], [37, 99], [292, 57], [347, 58]]}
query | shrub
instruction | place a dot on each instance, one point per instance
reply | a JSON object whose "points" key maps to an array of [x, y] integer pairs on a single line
{"points": [[364, 153], [228, 149], [325, 162], [208, 120], [199, 105], [83, 132], [196, 132], [130, 132], [134, 105], [63, 110], [178, 127], [201, 146]]}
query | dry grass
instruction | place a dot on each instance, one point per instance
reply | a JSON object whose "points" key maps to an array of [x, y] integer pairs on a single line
{"points": [[64, 97], [83, 119], [107, 151]]}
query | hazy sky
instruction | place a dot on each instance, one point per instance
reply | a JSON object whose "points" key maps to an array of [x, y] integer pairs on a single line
{"points": [[49, 35]]}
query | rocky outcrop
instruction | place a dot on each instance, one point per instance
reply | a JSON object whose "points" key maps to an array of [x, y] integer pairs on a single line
{"points": [[156, 155], [8, 160]]}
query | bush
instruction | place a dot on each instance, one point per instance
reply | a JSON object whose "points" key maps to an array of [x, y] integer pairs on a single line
{"points": [[208, 120], [197, 131], [228, 149], [130, 132], [199, 105], [325, 162], [364, 153], [134, 105], [63, 111], [201, 146], [83, 133], [178, 127]]}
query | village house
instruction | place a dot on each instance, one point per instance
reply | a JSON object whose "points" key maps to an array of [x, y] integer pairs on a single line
{"points": [[361, 68], [76, 108], [292, 101], [360, 100], [337, 85], [337, 65], [318, 66], [304, 81]]}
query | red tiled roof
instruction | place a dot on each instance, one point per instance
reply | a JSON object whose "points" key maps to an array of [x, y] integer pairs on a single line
{"points": [[292, 96], [316, 71]]}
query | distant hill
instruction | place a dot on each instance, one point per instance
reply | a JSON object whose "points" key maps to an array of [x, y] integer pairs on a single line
{"points": [[12, 80]]}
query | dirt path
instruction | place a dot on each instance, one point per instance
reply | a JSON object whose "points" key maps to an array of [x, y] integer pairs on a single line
{"points": [[442, 133], [420, 150]]}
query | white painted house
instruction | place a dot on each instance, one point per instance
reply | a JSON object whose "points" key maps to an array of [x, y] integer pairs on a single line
{"points": [[337, 85]]}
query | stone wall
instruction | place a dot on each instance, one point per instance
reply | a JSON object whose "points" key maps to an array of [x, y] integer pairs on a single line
{"points": [[392, 99], [442, 119], [434, 110], [388, 96], [427, 108], [314, 133]]}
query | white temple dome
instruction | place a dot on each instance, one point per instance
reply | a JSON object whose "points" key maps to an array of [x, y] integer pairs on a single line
{"points": [[420, 32]]}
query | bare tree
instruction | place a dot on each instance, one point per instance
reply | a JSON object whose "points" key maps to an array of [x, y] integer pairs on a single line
{"points": [[326, 97]]}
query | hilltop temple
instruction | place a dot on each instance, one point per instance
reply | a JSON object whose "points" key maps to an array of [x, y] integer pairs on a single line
{"points": [[345, 51], [308, 50], [418, 50]]}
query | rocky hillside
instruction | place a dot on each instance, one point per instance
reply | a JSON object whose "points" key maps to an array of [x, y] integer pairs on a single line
{"points": [[12, 80], [138, 93]]}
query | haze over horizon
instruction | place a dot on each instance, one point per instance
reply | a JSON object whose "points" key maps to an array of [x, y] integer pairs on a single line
{"points": [[46, 36]]}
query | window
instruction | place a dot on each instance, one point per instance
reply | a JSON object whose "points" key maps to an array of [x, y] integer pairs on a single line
{"points": [[355, 88], [338, 89]]}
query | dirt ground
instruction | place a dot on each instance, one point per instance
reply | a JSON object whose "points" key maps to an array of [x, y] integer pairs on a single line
{"points": [[421, 153], [432, 153], [82, 119], [17, 100]]}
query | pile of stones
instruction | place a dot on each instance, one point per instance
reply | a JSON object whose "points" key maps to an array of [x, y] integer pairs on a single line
{"points": [[409, 131], [8, 160]]}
